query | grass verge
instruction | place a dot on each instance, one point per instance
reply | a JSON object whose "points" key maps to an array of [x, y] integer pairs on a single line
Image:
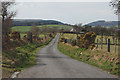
{"points": [[21, 57], [101, 59]]}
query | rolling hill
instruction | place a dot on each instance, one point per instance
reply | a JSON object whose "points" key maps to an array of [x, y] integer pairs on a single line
{"points": [[104, 23], [25, 25], [30, 22]]}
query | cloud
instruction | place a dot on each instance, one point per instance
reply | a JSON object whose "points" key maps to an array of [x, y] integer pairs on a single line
{"points": [[70, 12]]}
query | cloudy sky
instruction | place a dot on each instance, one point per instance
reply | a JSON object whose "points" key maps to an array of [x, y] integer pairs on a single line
{"points": [[71, 11]]}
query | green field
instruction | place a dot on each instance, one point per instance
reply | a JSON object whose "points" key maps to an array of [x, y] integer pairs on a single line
{"points": [[70, 36], [21, 28], [27, 28], [57, 26]]}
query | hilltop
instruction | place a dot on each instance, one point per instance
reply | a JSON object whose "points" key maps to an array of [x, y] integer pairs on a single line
{"points": [[30, 22], [104, 23]]}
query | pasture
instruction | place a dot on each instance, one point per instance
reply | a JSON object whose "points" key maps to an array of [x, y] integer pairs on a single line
{"points": [[28, 28]]}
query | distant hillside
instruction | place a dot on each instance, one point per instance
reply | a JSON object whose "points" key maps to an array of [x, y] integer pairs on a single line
{"points": [[30, 22], [104, 23], [28, 28]]}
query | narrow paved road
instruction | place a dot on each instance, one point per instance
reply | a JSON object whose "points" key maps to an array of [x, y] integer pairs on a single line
{"points": [[53, 64]]}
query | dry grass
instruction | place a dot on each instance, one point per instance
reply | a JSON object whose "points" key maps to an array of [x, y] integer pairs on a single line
{"points": [[99, 58]]}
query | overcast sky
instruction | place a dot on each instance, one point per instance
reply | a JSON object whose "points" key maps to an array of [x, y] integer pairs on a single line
{"points": [[68, 12]]}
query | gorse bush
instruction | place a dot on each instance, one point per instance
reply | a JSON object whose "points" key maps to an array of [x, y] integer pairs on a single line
{"points": [[15, 35], [87, 41]]}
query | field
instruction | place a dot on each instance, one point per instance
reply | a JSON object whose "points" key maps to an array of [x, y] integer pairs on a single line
{"points": [[57, 26], [21, 28], [70, 36], [27, 28]]}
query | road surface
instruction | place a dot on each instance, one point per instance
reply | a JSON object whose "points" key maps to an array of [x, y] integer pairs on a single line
{"points": [[53, 64]]}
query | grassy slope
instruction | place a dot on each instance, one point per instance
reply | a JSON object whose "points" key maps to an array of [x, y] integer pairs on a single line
{"points": [[27, 28], [98, 58]]}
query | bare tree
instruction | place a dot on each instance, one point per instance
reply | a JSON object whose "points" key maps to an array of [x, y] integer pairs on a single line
{"points": [[6, 16], [35, 31], [116, 5]]}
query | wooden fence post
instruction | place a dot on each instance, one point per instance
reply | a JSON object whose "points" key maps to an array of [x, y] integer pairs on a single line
{"points": [[19, 36], [101, 41], [108, 45], [75, 42]]}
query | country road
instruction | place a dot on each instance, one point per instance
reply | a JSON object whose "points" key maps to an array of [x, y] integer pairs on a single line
{"points": [[53, 64]]}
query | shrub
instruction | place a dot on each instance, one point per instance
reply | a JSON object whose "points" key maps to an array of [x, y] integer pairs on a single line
{"points": [[29, 37], [15, 35], [88, 40]]}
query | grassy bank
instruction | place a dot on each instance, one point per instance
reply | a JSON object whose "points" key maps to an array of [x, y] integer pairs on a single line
{"points": [[101, 59], [21, 57]]}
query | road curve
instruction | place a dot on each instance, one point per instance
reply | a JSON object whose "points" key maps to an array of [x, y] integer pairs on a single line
{"points": [[53, 64]]}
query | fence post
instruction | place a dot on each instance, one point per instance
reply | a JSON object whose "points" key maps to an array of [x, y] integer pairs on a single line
{"points": [[75, 42], [97, 43], [19, 36], [108, 45], [102, 41]]}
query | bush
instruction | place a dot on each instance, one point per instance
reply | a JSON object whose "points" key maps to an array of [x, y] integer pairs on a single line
{"points": [[29, 37], [88, 40], [15, 35]]}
